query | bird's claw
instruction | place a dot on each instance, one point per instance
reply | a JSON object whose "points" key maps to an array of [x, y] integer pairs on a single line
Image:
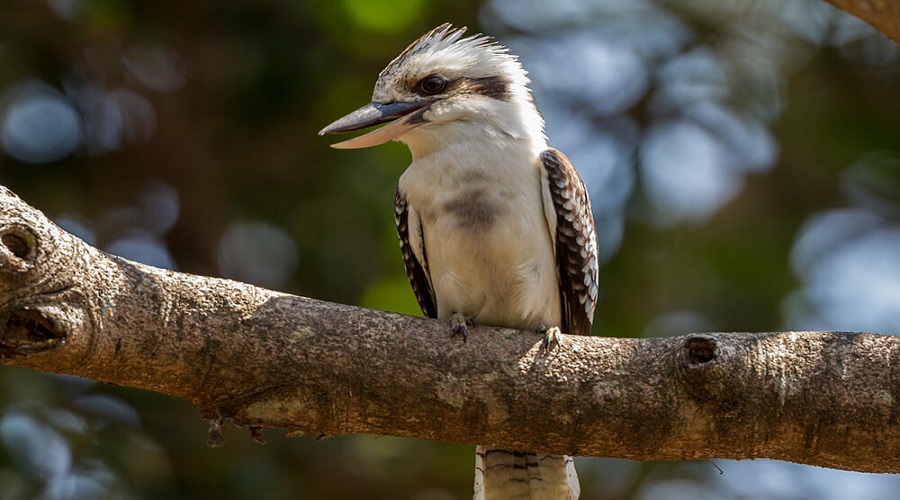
{"points": [[458, 322], [552, 337]]}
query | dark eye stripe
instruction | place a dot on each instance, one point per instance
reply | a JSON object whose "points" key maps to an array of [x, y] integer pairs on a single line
{"points": [[496, 87]]}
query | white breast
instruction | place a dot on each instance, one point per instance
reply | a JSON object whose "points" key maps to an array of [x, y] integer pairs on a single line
{"points": [[486, 239]]}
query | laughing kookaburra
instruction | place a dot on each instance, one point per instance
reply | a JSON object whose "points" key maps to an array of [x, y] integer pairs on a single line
{"points": [[495, 227]]}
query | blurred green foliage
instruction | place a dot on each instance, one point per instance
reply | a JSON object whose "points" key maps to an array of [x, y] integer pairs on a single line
{"points": [[221, 102]]}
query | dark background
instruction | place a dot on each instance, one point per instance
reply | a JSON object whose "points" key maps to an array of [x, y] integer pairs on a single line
{"points": [[743, 160]]}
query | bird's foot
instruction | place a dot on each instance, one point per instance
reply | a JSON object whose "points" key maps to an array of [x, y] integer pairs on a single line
{"points": [[458, 322], [552, 336]]}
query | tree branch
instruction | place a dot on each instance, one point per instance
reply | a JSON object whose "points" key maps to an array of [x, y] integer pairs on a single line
{"points": [[883, 15], [266, 359]]}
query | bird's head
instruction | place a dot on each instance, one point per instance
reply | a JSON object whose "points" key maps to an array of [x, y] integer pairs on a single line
{"points": [[443, 86]]}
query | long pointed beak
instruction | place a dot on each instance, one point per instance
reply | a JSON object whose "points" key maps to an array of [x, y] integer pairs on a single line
{"points": [[403, 115]]}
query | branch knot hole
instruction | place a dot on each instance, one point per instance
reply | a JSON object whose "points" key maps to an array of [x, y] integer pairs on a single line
{"points": [[700, 349], [29, 330], [18, 247], [700, 368]]}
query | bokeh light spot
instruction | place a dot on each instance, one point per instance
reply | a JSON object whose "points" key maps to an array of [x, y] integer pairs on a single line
{"points": [[143, 248], [39, 125], [258, 253], [39, 449], [684, 172]]}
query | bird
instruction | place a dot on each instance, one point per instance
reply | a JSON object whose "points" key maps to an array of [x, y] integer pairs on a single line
{"points": [[495, 226]]}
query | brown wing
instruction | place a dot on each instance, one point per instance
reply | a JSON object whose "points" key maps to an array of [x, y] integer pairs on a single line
{"points": [[576, 243], [413, 251]]}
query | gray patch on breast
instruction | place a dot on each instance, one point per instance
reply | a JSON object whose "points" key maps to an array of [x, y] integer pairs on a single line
{"points": [[475, 210]]}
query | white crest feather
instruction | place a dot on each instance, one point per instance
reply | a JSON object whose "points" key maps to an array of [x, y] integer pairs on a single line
{"points": [[444, 50]]}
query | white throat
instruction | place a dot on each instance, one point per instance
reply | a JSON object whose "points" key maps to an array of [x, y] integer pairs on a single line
{"points": [[482, 129]]}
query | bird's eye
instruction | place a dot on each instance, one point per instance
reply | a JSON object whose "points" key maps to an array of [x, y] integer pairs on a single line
{"points": [[432, 84]]}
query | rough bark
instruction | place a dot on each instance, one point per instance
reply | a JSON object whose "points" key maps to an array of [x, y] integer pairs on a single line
{"points": [[260, 358], [883, 15]]}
